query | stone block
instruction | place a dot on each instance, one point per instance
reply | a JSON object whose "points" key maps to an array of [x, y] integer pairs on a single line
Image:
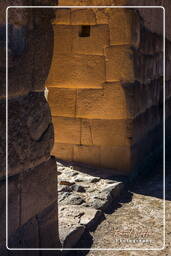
{"points": [[67, 130], [43, 39], [27, 236], [30, 132], [82, 17], [93, 44], [102, 16], [119, 64], [62, 40], [63, 151], [150, 43], [87, 154], [13, 207], [147, 67], [112, 157], [21, 67], [77, 71], [140, 97], [120, 25], [145, 122], [105, 132], [38, 189], [106, 103], [62, 101], [48, 227], [86, 132], [62, 16]]}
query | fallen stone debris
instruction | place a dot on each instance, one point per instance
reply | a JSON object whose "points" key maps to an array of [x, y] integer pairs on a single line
{"points": [[83, 200]]}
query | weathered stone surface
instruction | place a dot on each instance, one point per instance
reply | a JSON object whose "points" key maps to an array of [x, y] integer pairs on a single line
{"points": [[27, 236], [13, 207], [102, 16], [120, 24], [94, 44], [38, 188], [119, 64], [73, 200], [63, 151], [122, 104], [82, 17], [62, 101], [48, 227], [62, 16], [67, 130], [62, 33], [107, 103], [27, 40], [43, 39], [69, 236], [73, 220], [87, 154], [105, 132], [96, 192], [112, 157], [30, 132], [77, 71]]}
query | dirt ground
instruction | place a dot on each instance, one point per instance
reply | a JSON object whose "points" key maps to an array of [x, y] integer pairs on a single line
{"points": [[136, 222]]}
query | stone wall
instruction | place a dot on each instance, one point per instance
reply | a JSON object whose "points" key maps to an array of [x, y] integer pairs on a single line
{"points": [[32, 171], [105, 86]]}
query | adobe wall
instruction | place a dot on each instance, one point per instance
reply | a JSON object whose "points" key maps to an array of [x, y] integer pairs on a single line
{"points": [[105, 86], [32, 171]]}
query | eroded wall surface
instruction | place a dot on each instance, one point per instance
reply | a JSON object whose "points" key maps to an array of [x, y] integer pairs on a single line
{"points": [[105, 86], [32, 173]]}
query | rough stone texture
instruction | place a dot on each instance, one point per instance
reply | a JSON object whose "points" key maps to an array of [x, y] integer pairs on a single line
{"points": [[13, 206], [30, 130], [93, 44], [99, 122], [70, 71], [62, 101], [38, 188], [76, 216], [119, 65], [48, 227], [83, 17], [94, 191]]}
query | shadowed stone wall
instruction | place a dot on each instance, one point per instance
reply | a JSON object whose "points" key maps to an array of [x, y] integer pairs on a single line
{"points": [[32, 182], [105, 86]]}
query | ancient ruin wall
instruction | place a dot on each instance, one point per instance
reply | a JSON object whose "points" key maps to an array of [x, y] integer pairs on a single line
{"points": [[105, 87], [32, 182]]}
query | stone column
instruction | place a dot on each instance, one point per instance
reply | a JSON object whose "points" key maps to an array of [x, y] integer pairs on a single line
{"points": [[32, 171]]}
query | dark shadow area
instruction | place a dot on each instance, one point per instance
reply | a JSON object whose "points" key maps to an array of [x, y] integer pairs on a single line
{"points": [[104, 173], [86, 241]]}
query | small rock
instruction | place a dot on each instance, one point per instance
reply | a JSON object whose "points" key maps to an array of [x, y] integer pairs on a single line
{"points": [[78, 188], [101, 204], [90, 217], [75, 200], [65, 182], [109, 181], [63, 196], [70, 235], [114, 189], [87, 178]]}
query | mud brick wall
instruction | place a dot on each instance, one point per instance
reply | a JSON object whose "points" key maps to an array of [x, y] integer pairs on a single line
{"points": [[32, 180], [105, 86]]}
